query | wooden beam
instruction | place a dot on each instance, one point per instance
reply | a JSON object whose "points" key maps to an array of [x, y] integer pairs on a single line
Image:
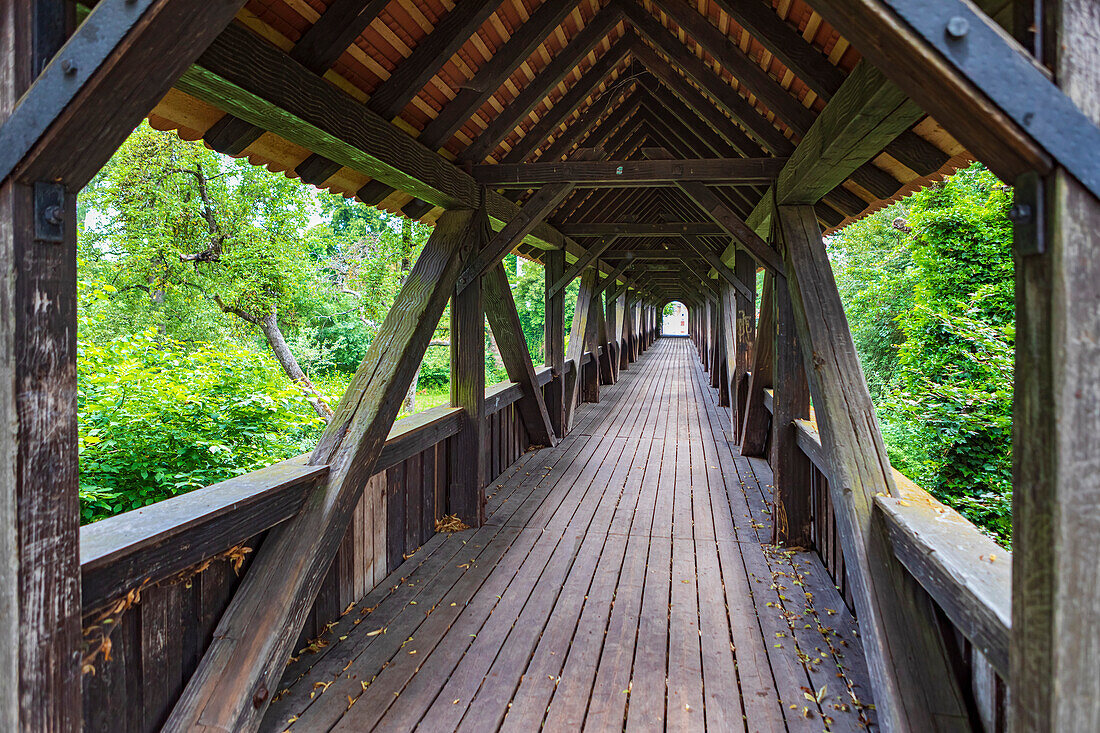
{"points": [[240, 671], [469, 450], [492, 75], [724, 96], [636, 229], [721, 171], [551, 75], [701, 248], [500, 309], [694, 100], [914, 684], [731, 58], [582, 262], [793, 510], [591, 120], [578, 335], [732, 224], [318, 49], [865, 115], [934, 82], [121, 59], [1055, 430], [754, 423], [40, 609], [583, 88], [745, 337], [250, 78], [554, 337], [533, 212]]}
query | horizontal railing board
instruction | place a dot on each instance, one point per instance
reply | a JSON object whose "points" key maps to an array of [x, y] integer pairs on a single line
{"points": [[966, 573], [153, 543]]}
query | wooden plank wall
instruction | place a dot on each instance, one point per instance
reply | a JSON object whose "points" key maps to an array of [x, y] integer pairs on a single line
{"points": [[159, 641]]}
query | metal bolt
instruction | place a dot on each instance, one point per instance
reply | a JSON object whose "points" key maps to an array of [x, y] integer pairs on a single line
{"points": [[54, 215], [1020, 213], [958, 27], [68, 66]]}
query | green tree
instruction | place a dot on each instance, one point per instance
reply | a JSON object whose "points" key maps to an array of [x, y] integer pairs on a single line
{"points": [[180, 223]]}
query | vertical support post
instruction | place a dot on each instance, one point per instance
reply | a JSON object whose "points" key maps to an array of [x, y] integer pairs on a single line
{"points": [[721, 362], [728, 295], [754, 425], [468, 471], [911, 669], [622, 315], [1056, 419], [792, 512], [554, 338], [602, 349], [745, 319], [578, 336], [39, 510], [716, 357], [612, 335]]}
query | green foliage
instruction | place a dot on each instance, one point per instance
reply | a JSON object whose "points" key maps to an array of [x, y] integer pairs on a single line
{"points": [[930, 303], [159, 418]]}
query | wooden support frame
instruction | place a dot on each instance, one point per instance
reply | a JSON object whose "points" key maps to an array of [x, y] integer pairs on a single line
{"points": [[500, 309], [910, 666], [755, 421], [792, 514], [631, 173], [468, 452], [578, 335], [554, 338], [1055, 435], [745, 320], [239, 672]]}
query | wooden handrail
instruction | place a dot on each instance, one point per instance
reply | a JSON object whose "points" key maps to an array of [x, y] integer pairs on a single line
{"points": [[153, 543], [967, 574]]}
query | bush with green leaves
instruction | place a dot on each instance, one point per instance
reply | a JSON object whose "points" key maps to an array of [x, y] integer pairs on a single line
{"points": [[927, 286], [160, 418]]}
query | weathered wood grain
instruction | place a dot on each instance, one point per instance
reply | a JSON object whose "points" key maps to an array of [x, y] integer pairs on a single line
{"points": [[911, 672], [1056, 425], [236, 677]]}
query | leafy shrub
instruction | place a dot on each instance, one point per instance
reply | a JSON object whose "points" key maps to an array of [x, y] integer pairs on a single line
{"points": [[158, 418]]}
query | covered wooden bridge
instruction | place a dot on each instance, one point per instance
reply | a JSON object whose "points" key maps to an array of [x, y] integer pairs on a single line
{"points": [[660, 536]]}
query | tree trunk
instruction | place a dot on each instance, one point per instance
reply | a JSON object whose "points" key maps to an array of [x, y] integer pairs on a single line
{"points": [[279, 347]]}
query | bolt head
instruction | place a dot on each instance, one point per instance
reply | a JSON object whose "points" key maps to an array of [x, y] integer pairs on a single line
{"points": [[54, 215], [68, 66], [958, 27]]}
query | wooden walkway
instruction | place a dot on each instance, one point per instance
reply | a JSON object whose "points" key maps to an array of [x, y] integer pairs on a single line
{"points": [[620, 582]]}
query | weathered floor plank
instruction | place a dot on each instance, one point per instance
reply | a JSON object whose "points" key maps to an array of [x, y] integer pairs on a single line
{"points": [[620, 582]]}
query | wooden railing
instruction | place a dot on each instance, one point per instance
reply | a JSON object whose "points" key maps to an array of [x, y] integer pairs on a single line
{"points": [[967, 575], [155, 581]]}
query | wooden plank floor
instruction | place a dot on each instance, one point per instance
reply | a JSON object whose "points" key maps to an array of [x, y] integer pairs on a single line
{"points": [[621, 582]]}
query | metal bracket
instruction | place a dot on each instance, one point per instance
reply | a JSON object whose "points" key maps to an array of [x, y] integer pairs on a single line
{"points": [[63, 78], [1011, 78], [1028, 222], [49, 212]]}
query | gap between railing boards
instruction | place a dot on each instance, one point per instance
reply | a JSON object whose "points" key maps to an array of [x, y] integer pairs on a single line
{"points": [[144, 546], [964, 571]]}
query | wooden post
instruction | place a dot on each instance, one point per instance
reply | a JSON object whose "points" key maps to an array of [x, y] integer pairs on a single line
{"points": [[911, 670], [792, 513], [603, 342], [500, 309], [240, 671], [754, 424], [1056, 422], [716, 357], [40, 682], [554, 337], [745, 320], [575, 351], [612, 334], [468, 470]]}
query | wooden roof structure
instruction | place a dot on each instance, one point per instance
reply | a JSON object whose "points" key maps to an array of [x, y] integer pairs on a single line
{"points": [[654, 149]]}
